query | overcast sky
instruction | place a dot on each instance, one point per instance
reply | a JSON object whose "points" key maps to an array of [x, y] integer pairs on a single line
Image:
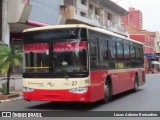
{"points": [[150, 11]]}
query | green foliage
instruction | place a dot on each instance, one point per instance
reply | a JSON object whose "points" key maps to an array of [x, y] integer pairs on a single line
{"points": [[9, 58], [3, 89]]}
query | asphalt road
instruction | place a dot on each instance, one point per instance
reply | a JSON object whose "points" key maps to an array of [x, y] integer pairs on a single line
{"points": [[146, 99]]}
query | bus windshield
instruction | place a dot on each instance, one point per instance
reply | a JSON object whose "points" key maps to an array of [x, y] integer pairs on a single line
{"points": [[69, 56], [36, 57], [61, 57]]}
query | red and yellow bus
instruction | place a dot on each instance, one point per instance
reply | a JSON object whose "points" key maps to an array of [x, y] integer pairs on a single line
{"points": [[79, 63]]}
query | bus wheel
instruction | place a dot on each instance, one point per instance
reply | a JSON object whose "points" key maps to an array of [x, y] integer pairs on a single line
{"points": [[135, 83], [107, 92]]}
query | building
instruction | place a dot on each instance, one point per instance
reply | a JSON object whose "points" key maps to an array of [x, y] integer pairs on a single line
{"points": [[149, 45], [18, 15], [147, 41], [156, 37], [134, 18], [134, 23], [157, 44], [101, 13]]}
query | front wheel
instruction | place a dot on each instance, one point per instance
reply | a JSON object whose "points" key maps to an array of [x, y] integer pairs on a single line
{"points": [[107, 93]]}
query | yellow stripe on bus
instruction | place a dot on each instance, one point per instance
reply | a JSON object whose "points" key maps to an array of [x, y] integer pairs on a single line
{"points": [[36, 67], [125, 70]]}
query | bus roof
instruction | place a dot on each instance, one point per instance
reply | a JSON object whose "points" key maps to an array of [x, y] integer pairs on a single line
{"points": [[80, 26]]}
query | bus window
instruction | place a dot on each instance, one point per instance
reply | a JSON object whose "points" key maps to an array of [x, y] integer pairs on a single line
{"points": [[133, 56], [103, 53], [36, 57], [138, 57], [126, 55], [93, 53], [120, 57], [112, 54], [69, 56], [119, 52]]}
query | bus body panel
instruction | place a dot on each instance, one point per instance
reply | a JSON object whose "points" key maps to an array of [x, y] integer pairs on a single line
{"points": [[123, 81], [97, 79], [46, 89], [56, 95]]}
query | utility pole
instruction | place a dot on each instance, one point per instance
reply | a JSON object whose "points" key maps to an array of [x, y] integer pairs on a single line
{"points": [[5, 26]]}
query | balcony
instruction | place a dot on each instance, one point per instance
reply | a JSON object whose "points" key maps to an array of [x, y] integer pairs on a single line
{"points": [[18, 13], [78, 16]]}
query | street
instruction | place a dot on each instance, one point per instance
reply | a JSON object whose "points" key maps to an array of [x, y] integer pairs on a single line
{"points": [[146, 99]]}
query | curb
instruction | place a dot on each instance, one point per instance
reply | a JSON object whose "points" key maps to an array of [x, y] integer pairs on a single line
{"points": [[12, 99]]}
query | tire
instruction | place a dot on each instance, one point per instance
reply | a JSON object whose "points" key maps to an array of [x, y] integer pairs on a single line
{"points": [[135, 89], [107, 93]]}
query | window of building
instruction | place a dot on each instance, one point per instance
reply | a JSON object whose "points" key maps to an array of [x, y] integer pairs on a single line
{"points": [[91, 7], [97, 11], [84, 2], [83, 14], [68, 2], [109, 16], [63, 10]]}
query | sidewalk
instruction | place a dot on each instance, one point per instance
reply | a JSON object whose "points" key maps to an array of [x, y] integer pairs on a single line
{"points": [[20, 92], [15, 87]]}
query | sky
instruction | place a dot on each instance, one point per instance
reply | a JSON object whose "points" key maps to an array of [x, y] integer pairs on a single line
{"points": [[150, 11]]}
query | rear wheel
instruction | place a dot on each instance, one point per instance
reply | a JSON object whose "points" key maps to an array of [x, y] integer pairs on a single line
{"points": [[135, 83]]}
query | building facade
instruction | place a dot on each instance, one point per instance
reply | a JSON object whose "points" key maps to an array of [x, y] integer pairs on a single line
{"points": [[157, 43], [134, 23], [18, 15], [134, 18]]}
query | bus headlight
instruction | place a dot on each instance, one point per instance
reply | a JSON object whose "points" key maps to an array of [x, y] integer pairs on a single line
{"points": [[79, 90], [26, 89]]}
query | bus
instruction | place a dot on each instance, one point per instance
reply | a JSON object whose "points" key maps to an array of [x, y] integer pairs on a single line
{"points": [[79, 63]]}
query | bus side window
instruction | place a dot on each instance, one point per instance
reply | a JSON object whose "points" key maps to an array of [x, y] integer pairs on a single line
{"points": [[127, 55], [93, 53], [133, 56], [93, 50], [112, 54]]}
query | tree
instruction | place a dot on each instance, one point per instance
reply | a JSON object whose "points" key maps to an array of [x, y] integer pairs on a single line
{"points": [[8, 59]]}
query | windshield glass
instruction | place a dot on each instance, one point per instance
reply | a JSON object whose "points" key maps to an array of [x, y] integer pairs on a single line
{"points": [[69, 56], [52, 35], [60, 57], [36, 57]]}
